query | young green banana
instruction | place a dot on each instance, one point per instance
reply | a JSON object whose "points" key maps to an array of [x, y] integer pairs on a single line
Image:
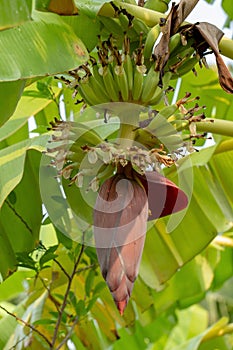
{"points": [[180, 124], [161, 118], [128, 65], [110, 83], [160, 90], [181, 57], [98, 77], [174, 43], [99, 90], [157, 97], [139, 72], [185, 68], [121, 78], [113, 25], [84, 136], [157, 5], [87, 93], [146, 138], [151, 38], [150, 84], [172, 142], [124, 21], [139, 26], [176, 47]]}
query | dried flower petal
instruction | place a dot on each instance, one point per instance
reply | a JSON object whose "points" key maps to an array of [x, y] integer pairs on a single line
{"points": [[92, 156], [79, 180]]}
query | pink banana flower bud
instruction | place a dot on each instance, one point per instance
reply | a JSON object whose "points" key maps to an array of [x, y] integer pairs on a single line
{"points": [[120, 223]]}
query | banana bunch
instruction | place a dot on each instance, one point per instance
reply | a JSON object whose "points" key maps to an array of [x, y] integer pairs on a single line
{"points": [[120, 76], [182, 55], [79, 152], [125, 75], [172, 126], [69, 144]]}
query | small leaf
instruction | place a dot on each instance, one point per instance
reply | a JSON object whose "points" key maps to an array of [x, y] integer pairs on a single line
{"points": [[25, 260], [99, 287], [44, 321], [73, 299], [91, 303], [48, 255], [89, 282], [80, 308]]}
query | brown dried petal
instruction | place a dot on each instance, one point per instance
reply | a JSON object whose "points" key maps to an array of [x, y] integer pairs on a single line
{"points": [[174, 19], [212, 36]]}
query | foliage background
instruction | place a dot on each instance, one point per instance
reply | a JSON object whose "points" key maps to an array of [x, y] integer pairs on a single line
{"points": [[183, 297]]}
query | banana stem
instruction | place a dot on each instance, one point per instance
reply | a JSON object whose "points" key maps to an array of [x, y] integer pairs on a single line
{"points": [[226, 47], [151, 18], [129, 120], [126, 135], [216, 126]]}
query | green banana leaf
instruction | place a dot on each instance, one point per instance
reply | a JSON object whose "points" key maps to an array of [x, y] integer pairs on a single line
{"points": [[87, 29], [36, 44], [195, 342], [10, 93], [14, 13], [8, 325], [28, 106], [12, 163], [91, 8], [14, 332], [20, 215], [209, 213]]}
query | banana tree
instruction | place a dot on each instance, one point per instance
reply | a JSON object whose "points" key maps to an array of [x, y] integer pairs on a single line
{"points": [[137, 183]]}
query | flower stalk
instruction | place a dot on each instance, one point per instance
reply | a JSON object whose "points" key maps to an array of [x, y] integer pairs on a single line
{"points": [[216, 126]]}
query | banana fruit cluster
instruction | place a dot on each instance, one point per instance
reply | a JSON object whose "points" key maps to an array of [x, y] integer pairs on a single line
{"points": [[79, 151], [123, 75], [119, 76]]}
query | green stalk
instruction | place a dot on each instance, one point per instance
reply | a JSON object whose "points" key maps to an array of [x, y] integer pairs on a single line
{"points": [[129, 119], [151, 18], [216, 126], [126, 135], [226, 47]]}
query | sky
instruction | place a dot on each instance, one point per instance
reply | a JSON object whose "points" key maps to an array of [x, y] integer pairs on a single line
{"points": [[214, 14], [204, 12]]}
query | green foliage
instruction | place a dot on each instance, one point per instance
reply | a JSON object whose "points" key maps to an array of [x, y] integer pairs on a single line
{"points": [[182, 299]]}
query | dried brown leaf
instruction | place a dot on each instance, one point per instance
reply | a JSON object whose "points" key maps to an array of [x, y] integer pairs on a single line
{"points": [[181, 11], [176, 16], [212, 35]]}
